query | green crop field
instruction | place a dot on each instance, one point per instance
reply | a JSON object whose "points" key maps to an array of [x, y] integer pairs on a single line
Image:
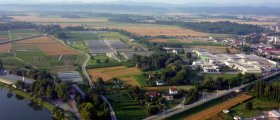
{"points": [[77, 35], [23, 33], [126, 108], [10, 62], [38, 59]]}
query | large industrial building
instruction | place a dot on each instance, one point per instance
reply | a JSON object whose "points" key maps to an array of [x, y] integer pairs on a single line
{"points": [[245, 63]]}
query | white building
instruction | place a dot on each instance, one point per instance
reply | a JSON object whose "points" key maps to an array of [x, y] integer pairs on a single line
{"points": [[273, 39], [173, 91], [274, 114]]}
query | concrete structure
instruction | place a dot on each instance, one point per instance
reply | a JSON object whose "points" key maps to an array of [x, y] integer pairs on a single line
{"points": [[70, 77], [11, 79], [160, 83], [273, 39], [210, 63], [168, 97], [273, 114]]}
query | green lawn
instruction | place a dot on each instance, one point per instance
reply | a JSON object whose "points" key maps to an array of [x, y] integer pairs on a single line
{"points": [[23, 33], [125, 108], [142, 80]]}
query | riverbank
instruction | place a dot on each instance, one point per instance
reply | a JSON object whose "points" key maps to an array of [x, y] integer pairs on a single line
{"points": [[46, 105]]}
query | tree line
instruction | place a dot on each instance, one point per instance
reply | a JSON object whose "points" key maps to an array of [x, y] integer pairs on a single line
{"points": [[271, 91]]}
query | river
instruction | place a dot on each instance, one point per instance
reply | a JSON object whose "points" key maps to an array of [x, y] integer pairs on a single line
{"points": [[15, 107]]}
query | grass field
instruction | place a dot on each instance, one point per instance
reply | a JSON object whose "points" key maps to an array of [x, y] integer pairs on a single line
{"points": [[187, 43], [166, 31], [166, 88], [41, 19], [77, 35], [124, 73], [4, 36], [126, 108], [101, 58], [23, 33], [47, 53], [10, 62], [208, 113]]}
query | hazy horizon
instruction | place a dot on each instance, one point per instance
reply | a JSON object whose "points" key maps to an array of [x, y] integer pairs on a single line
{"points": [[241, 2]]}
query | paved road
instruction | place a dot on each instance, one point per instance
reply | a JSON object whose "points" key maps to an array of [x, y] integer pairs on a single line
{"points": [[178, 109]]}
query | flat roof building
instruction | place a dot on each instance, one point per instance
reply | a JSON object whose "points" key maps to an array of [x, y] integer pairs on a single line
{"points": [[70, 77]]}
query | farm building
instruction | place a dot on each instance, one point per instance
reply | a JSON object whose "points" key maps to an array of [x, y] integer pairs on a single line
{"points": [[11, 79], [70, 77]]}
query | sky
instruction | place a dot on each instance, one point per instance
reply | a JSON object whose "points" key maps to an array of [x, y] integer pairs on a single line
{"points": [[159, 1]]}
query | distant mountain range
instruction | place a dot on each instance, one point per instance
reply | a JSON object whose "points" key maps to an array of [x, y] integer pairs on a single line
{"points": [[142, 7]]}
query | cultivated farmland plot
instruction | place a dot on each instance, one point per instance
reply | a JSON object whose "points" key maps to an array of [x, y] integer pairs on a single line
{"points": [[4, 36], [106, 46], [98, 46]]}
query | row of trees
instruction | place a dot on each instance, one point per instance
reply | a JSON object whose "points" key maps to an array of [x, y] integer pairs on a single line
{"points": [[223, 27], [16, 25], [209, 83], [271, 91]]}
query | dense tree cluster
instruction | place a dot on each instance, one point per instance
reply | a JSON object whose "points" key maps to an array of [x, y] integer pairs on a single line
{"points": [[16, 25], [171, 68], [271, 91], [92, 107], [55, 30], [224, 27], [220, 83], [192, 96]]}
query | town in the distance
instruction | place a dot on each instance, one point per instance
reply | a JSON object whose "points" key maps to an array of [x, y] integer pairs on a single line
{"points": [[138, 60]]}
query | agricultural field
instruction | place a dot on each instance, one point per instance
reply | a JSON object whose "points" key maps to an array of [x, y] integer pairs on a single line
{"points": [[187, 42], [125, 107], [23, 33], [124, 73], [48, 45], [10, 62], [81, 35], [101, 58], [212, 111], [217, 49], [166, 31], [5, 48], [42, 19], [166, 88], [4, 36], [47, 53]]}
